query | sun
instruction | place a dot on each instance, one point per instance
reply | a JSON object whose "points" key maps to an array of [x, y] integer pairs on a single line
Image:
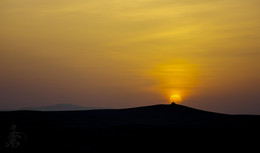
{"points": [[175, 98]]}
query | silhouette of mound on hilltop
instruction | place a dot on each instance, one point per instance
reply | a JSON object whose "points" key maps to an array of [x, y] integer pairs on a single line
{"points": [[173, 103]]}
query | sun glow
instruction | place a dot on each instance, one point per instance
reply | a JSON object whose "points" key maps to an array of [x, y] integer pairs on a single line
{"points": [[176, 79], [175, 98]]}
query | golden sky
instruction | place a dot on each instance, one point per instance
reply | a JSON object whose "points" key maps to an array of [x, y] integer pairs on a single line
{"points": [[125, 53]]}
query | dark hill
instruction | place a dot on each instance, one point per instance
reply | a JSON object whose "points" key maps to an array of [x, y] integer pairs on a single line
{"points": [[150, 128]]}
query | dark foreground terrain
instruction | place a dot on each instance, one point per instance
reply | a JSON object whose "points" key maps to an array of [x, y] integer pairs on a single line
{"points": [[158, 128]]}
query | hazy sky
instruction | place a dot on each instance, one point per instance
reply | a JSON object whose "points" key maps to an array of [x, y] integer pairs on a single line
{"points": [[126, 53]]}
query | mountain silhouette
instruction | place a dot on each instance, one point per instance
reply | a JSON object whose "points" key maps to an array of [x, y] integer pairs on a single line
{"points": [[58, 107], [155, 128]]}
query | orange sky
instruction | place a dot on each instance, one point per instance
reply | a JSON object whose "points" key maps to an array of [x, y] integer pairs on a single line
{"points": [[131, 53]]}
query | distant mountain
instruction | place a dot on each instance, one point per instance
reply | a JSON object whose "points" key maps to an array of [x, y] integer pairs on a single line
{"points": [[60, 107]]}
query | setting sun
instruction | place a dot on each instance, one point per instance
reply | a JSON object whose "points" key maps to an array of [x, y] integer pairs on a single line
{"points": [[175, 98]]}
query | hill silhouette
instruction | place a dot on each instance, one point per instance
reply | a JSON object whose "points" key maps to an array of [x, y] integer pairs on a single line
{"points": [[139, 129]]}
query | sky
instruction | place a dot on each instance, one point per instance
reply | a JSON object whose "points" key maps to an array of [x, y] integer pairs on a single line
{"points": [[119, 54]]}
